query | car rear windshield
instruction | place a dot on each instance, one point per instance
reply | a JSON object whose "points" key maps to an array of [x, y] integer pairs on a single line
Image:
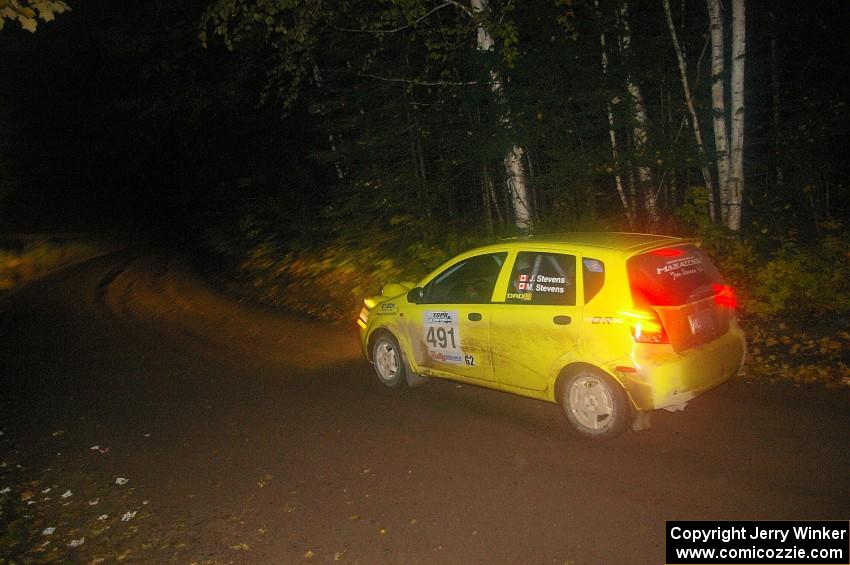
{"points": [[672, 276]]}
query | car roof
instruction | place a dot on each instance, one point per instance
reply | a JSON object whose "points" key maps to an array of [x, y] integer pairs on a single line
{"points": [[616, 241]]}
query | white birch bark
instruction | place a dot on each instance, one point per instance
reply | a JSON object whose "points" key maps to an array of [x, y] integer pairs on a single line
{"points": [[517, 183], [639, 129], [628, 203], [736, 162], [689, 100], [718, 106]]}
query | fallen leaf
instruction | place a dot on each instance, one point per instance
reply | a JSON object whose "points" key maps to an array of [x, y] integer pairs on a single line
{"points": [[129, 515], [308, 554]]}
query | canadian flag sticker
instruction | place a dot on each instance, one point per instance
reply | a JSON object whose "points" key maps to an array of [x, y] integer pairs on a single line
{"points": [[523, 278], [521, 286]]}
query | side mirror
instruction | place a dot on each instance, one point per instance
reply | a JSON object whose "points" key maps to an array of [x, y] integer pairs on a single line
{"points": [[416, 295]]}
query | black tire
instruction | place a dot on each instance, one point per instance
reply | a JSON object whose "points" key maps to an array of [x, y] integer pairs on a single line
{"points": [[595, 404], [388, 361]]}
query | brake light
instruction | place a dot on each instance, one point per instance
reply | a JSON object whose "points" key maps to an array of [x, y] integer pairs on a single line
{"points": [[725, 296], [646, 326], [668, 252]]}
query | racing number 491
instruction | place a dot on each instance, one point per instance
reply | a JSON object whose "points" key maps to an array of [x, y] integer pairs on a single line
{"points": [[440, 337]]}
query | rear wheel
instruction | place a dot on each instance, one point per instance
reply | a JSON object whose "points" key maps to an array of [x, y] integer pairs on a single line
{"points": [[388, 361], [595, 404]]}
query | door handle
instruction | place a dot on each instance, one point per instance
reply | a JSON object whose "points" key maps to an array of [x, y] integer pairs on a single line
{"points": [[562, 320], [474, 317]]}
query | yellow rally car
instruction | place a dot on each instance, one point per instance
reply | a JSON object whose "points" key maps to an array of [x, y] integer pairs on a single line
{"points": [[608, 325]]}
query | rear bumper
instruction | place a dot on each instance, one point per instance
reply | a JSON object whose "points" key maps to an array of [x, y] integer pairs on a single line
{"points": [[666, 379]]}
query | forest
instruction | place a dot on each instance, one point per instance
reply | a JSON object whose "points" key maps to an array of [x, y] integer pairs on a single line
{"points": [[315, 151]]}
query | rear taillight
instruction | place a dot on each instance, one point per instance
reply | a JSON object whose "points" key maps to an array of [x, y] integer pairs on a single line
{"points": [[725, 296], [646, 326]]}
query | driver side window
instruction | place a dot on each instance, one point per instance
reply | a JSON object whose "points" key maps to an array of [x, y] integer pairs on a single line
{"points": [[469, 282]]}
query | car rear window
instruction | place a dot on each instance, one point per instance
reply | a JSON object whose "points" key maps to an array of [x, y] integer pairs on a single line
{"points": [[672, 276]]}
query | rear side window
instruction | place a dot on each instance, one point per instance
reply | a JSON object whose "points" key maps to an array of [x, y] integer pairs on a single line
{"points": [[593, 271], [672, 276], [543, 278]]}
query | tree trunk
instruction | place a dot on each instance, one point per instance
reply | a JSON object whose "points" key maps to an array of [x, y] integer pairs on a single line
{"points": [[639, 129], [689, 101], [736, 173], [628, 203], [718, 107], [485, 200], [516, 181]]}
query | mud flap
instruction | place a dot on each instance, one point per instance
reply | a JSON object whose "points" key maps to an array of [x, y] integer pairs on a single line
{"points": [[415, 379], [642, 420]]}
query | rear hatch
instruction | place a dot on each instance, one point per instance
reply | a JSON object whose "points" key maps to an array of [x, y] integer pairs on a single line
{"points": [[685, 291]]}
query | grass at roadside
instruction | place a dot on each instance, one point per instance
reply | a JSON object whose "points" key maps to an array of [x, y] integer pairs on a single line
{"points": [[21, 263]]}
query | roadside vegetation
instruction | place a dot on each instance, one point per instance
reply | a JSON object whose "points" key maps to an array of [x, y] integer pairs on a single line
{"points": [[794, 300], [23, 262]]}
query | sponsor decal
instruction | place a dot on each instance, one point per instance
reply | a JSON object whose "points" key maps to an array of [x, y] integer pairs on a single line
{"points": [[445, 357], [519, 295], [680, 267], [386, 309], [442, 336]]}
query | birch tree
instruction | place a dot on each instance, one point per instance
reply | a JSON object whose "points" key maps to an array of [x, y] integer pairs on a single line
{"points": [[689, 101], [639, 121], [628, 200], [718, 104], [729, 147], [735, 200], [516, 179]]}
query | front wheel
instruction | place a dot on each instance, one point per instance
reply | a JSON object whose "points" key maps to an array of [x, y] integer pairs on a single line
{"points": [[595, 405], [388, 361]]}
